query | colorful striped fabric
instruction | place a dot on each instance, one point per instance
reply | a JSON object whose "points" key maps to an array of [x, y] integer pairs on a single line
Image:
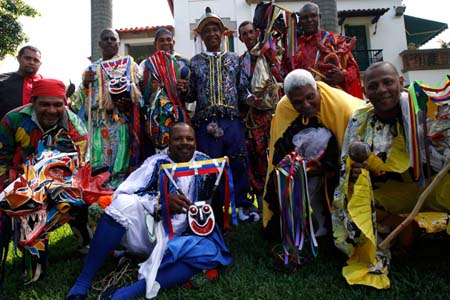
{"points": [[296, 225], [168, 172]]}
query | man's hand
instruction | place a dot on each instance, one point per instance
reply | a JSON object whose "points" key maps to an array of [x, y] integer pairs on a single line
{"points": [[178, 203], [254, 101], [124, 104], [355, 170], [335, 76], [182, 85], [89, 77], [315, 167]]}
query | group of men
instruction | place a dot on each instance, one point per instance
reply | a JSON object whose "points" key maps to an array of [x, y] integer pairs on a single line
{"points": [[228, 121]]}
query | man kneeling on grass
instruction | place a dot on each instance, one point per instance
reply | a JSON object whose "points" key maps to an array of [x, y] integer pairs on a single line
{"points": [[374, 195], [124, 221]]}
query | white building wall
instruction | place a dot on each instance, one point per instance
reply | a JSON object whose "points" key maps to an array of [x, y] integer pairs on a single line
{"points": [[183, 44], [388, 34], [190, 11], [133, 42], [429, 77]]}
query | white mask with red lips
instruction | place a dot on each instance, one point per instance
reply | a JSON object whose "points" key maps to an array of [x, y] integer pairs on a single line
{"points": [[201, 218]]}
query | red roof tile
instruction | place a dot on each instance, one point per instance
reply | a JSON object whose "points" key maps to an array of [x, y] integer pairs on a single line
{"points": [[146, 28]]}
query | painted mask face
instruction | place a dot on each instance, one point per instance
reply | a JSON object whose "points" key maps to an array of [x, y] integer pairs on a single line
{"points": [[201, 218], [41, 197], [118, 85], [117, 74]]}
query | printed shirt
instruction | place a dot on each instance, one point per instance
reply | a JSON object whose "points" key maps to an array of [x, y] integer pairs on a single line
{"points": [[20, 134]]}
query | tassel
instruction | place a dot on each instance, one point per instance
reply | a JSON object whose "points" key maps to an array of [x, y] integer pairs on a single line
{"points": [[107, 101], [135, 94]]}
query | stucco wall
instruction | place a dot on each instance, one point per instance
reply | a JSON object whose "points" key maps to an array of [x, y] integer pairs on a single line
{"points": [[429, 77], [189, 11], [387, 34]]}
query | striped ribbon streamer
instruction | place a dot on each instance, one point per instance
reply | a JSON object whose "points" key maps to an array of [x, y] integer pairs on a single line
{"points": [[162, 66], [296, 225], [169, 172]]}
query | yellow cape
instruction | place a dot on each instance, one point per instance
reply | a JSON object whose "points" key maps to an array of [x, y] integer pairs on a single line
{"points": [[336, 108]]}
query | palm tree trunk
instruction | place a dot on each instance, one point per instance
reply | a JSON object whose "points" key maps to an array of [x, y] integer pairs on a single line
{"points": [[101, 18], [328, 12]]}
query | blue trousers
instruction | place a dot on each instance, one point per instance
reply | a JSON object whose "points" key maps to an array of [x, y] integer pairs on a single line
{"points": [[233, 145]]}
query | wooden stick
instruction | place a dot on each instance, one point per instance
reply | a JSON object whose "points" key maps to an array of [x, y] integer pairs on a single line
{"points": [[90, 133], [386, 243], [427, 151], [317, 73]]}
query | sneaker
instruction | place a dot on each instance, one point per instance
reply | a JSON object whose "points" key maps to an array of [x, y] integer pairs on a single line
{"points": [[321, 232], [248, 214], [83, 250]]}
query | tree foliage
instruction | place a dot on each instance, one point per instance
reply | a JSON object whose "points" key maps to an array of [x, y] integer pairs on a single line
{"points": [[444, 44], [11, 32]]}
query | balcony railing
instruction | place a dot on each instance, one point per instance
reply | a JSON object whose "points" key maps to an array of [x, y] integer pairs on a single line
{"points": [[365, 58], [426, 59]]}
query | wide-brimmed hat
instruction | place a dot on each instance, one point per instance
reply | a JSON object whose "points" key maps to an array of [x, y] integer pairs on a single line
{"points": [[208, 18]]}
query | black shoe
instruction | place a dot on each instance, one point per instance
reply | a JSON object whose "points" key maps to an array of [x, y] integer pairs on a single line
{"points": [[108, 293], [76, 297]]}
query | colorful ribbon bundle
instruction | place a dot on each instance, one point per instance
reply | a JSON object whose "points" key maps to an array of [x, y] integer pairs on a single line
{"points": [[162, 66], [421, 98], [296, 225], [276, 24], [439, 95], [169, 172]]}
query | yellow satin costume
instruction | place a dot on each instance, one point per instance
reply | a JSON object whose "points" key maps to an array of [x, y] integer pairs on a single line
{"points": [[354, 214], [336, 108]]}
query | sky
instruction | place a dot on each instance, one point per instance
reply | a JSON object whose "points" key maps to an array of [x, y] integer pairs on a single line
{"points": [[62, 31]]}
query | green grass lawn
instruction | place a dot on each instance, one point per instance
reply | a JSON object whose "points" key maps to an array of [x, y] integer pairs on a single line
{"points": [[421, 274]]}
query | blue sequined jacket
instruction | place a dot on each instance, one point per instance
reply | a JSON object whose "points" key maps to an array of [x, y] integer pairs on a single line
{"points": [[215, 84]]}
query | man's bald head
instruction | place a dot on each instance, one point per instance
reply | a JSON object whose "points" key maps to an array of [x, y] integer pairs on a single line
{"points": [[109, 43], [383, 65], [182, 143], [309, 18], [383, 86], [180, 125], [309, 6]]}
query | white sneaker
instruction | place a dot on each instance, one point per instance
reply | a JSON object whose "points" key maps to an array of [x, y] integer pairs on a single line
{"points": [[248, 214], [321, 232]]}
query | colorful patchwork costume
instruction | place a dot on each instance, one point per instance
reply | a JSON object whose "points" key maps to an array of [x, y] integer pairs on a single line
{"points": [[257, 123], [38, 166], [163, 106], [322, 49], [114, 135], [20, 134]]}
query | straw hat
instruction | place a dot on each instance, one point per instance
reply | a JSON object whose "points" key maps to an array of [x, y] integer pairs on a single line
{"points": [[208, 18]]}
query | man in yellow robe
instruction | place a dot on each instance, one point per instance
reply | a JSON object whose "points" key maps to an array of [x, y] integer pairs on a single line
{"points": [[387, 124], [313, 103]]}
